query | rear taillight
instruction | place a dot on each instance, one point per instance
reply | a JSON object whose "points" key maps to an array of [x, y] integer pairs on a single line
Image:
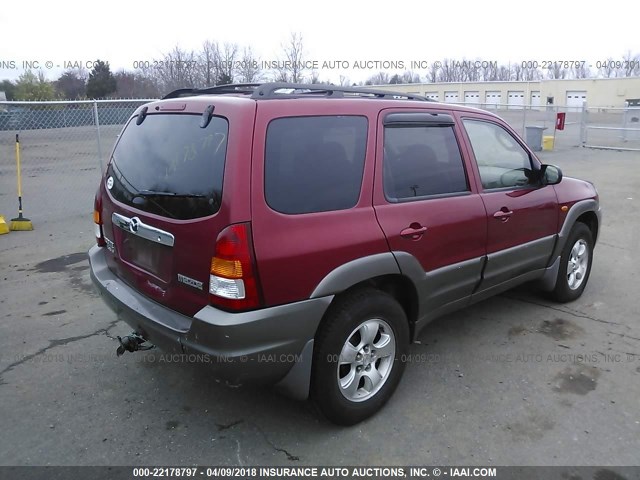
{"points": [[233, 283], [97, 220]]}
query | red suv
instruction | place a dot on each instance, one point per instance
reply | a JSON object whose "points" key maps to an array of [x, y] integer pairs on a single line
{"points": [[304, 235]]}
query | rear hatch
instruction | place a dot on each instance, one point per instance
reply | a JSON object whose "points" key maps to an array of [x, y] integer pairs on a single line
{"points": [[166, 195]]}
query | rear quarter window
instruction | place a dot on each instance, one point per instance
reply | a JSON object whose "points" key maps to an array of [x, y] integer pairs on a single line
{"points": [[314, 164]]}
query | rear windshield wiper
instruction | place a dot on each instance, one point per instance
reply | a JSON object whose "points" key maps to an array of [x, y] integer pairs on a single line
{"points": [[153, 193]]}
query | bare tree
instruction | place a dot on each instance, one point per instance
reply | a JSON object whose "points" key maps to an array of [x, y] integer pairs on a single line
{"points": [[291, 68], [280, 75], [434, 70], [530, 74], [125, 84], [608, 69], [447, 71], [518, 72], [504, 73], [410, 77], [380, 78], [228, 59], [472, 71], [452, 71], [147, 76], [486, 71], [461, 70], [135, 85], [344, 81], [145, 87], [314, 77], [209, 63], [557, 72], [177, 69], [249, 71], [580, 71], [631, 64]]}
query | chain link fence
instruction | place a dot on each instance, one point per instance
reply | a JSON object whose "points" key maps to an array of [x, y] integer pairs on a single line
{"points": [[64, 146], [591, 127], [611, 128]]}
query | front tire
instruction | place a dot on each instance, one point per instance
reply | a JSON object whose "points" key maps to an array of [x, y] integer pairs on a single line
{"points": [[359, 356], [575, 264]]}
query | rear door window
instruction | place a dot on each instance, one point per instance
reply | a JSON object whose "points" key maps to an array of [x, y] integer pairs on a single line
{"points": [[170, 166], [314, 164]]}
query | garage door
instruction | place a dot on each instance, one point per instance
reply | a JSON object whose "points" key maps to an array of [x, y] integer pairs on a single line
{"points": [[575, 100], [432, 95], [515, 100], [472, 98], [493, 99], [535, 99], [451, 97]]}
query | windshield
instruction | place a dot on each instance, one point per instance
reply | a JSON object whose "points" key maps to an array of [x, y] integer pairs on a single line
{"points": [[170, 166]]}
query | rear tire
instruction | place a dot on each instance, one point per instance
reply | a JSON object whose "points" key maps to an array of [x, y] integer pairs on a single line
{"points": [[359, 355], [575, 265]]}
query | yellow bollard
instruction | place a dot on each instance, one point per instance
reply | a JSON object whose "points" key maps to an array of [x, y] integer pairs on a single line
{"points": [[4, 228]]}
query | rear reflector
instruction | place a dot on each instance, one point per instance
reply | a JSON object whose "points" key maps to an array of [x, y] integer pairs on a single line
{"points": [[98, 232], [97, 219], [233, 283]]}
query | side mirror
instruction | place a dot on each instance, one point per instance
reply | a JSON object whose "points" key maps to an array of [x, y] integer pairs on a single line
{"points": [[550, 175]]}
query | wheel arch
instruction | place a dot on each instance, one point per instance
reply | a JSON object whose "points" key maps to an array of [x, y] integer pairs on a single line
{"points": [[402, 289], [585, 211], [380, 271], [398, 286], [590, 219]]}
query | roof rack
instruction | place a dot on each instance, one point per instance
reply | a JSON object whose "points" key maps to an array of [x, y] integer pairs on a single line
{"points": [[263, 91], [237, 88]]}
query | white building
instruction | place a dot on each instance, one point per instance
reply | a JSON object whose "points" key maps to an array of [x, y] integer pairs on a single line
{"points": [[596, 92]]}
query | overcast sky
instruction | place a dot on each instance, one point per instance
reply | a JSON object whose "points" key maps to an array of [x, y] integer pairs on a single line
{"points": [[122, 32]]}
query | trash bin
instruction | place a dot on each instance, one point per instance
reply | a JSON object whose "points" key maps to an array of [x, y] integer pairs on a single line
{"points": [[533, 136], [547, 142]]}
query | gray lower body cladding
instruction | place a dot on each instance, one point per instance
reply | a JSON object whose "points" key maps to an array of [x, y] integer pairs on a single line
{"points": [[261, 346]]}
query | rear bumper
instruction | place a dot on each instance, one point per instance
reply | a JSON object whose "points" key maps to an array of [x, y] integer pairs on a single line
{"points": [[260, 346]]}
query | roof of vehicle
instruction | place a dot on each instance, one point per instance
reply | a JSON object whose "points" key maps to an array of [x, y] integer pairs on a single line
{"points": [[283, 91]]}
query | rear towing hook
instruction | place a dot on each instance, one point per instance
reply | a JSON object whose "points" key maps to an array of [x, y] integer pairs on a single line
{"points": [[132, 343]]}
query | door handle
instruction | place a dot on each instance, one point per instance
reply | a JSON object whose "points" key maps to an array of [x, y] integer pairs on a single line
{"points": [[503, 214], [413, 232]]}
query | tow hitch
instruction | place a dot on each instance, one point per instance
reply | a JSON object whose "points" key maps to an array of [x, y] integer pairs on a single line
{"points": [[132, 343]]}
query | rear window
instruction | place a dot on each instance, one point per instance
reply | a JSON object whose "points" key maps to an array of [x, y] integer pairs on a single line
{"points": [[314, 164], [170, 166]]}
